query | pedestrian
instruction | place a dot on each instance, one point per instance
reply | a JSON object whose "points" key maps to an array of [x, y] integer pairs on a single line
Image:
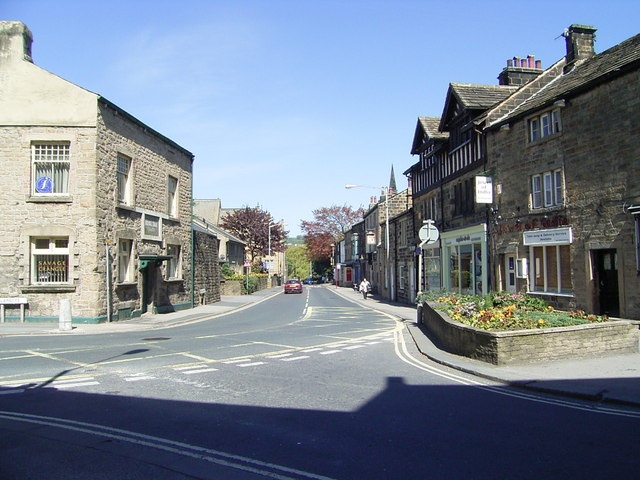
{"points": [[365, 286]]}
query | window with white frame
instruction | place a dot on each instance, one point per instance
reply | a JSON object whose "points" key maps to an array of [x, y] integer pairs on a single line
{"points": [[124, 179], [174, 270], [49, 260], [551, 270], [172, 199], [125, 260], [547, 189], [544, 125], [50, 168]]}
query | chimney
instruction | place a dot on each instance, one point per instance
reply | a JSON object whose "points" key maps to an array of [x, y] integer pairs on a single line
{"points": [[520, 71], [580, 41], [15, 41]]}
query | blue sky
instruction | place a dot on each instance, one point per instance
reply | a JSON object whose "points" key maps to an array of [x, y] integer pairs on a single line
{"points": [[283, 102]]}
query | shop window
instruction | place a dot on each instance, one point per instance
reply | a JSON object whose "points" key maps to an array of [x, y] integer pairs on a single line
{"points": [[551, 272]]}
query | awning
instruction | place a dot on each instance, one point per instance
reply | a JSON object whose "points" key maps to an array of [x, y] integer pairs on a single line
{"points": [[147, 259]]}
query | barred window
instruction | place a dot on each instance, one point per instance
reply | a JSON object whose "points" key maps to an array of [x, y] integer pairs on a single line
{"points": [[49, 260], [50, 168]]}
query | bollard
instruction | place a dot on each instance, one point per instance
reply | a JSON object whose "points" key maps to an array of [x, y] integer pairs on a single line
{"points": [[65, 315]]}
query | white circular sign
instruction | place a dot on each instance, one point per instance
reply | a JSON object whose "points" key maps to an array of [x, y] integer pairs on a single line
{"points": [[429, 233]]}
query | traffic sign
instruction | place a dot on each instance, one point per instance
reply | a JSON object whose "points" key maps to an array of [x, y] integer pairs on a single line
{"points": [[429, 233]]}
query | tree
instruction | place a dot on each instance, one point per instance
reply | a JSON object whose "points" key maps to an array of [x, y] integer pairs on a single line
{"points": [[297, 261], [328, 226], [251, 225]]}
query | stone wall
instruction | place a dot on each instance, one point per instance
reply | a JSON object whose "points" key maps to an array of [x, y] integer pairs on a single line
{"points": [[530, 346], [206, 271], [598, 151]]}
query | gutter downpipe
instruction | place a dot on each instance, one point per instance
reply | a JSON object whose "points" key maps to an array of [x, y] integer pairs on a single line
{"points": [[193, 277], [108, 279]]}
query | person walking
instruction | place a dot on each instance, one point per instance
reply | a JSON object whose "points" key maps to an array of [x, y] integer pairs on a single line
{"points": [[365, 286]]}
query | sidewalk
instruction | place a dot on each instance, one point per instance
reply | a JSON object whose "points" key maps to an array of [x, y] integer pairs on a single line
{"points": [[614, 379]]}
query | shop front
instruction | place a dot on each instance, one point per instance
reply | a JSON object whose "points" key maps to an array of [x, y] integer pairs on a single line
{"points": [[464, 260]]}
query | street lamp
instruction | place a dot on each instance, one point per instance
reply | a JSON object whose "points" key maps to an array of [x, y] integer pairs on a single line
{"points": [[385, 190]]}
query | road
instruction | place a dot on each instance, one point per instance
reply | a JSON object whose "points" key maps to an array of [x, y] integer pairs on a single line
{"points": [[307, 386]]}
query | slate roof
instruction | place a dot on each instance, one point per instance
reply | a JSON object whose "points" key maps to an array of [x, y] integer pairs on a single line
{"points": [[473, 97], [427, 127], [584, 76]]}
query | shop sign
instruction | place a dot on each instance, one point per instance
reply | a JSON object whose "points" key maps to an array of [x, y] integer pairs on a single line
{"points": [[484, 189], [549, 236]]}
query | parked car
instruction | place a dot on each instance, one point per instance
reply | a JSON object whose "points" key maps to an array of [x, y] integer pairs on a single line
{"points": [[309, 281], [293, 286]]}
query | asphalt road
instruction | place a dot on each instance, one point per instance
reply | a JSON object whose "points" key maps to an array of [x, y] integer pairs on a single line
{"points": [[307, 386]]}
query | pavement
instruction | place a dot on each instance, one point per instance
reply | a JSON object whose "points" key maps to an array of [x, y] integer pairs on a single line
{"points": [[609, 379]]}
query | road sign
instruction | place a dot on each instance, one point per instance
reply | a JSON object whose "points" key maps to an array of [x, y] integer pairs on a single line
{"points": [[429, 233]]}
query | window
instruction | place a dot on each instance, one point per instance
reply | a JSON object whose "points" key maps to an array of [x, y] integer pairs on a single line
{"points": [[124, 180], [151, 227], [172, 189], [547, 189], [551, 269], [125, 269], [49, 260], [544, 125], [174, 268], [50, 168]]}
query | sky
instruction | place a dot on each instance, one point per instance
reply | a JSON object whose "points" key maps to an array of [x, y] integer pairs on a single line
{"points": [[284, 102]]}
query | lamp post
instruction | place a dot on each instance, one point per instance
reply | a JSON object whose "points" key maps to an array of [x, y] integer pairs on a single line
{"points": [[385, 190]]}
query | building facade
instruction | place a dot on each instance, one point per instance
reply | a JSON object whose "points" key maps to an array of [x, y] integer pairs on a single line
{"points": [[100, 203], [567, 171]]}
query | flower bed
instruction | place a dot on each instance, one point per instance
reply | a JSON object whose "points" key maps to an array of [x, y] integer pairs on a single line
{"points": [[510, 311], [506, 343]]}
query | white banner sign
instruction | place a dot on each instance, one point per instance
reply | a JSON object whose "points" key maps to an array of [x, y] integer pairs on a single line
{"points": [[484, 189]]}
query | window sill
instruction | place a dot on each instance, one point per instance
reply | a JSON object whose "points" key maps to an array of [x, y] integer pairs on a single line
{"points": [[50, 199], [552, 209], [126, 284], [549, 294], [48, 288], [126, 206], [173, 280]]}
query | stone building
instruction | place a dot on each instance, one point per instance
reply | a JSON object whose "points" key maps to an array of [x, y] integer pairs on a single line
{"points": [[566, 158], [97, 204]]}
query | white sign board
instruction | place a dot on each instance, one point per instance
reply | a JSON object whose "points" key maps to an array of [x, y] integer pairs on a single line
{"points": [[548, 236], [484, 189]]}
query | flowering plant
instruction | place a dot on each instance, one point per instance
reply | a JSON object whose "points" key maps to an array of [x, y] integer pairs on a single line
{"points": [[509, 311]]}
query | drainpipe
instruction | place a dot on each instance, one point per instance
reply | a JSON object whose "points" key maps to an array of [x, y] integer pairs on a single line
{"points": [[193, 277], [108, 279]]}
